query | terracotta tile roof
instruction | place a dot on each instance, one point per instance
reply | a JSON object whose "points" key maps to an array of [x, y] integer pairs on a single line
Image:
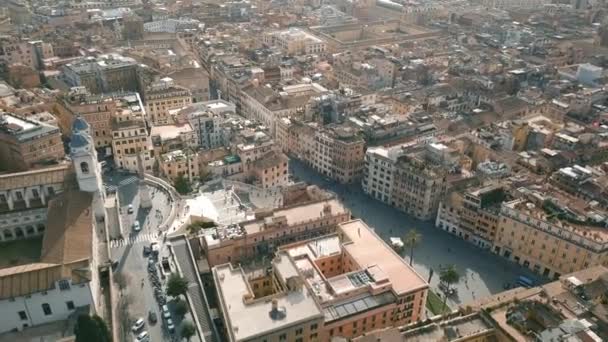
{"points": [[66, 248], [68, 237]]}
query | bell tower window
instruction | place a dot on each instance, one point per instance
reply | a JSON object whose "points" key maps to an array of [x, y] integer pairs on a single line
{"points": [[84, 167]]}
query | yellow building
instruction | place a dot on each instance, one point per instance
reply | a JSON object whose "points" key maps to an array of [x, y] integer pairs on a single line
{"points": [[271, 170], [130, 136], [472, 215], [163, 96], [551, 233], [180, 162]]}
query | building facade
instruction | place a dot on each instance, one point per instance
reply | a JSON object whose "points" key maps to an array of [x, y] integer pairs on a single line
{"points": [[163, 96], [26, 143], [130, 135], [336, 152], [272, 229], [349, 283], [410, 182], [180, 163], [24, 198]]}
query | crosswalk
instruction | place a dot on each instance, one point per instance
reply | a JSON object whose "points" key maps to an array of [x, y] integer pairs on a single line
{"points": [[126, 181], [144, 237]]}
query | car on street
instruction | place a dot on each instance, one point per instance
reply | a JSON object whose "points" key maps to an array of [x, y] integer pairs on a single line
{"points": [[166, 313], [147, 250], [155, 248], [136, 226], [143, 336], [138, 325], [170, 326], [130, 209], [152, 317]]}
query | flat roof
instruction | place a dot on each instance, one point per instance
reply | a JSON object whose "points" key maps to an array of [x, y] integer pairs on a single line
{"points": [[367, 254], [298, 214], [249, 319], [167, 132]]}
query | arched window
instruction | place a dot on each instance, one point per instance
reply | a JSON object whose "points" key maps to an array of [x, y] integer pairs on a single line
{"points": [[84, 167]]}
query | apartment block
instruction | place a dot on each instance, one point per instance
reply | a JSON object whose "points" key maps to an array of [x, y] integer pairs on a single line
{"points": [[335, 151], [410, 181], [574, 313], [104, 74], [267, 105], [271, 229], [97, 110], [163, 96], [270, 306], [349, 283], [130, 135], [552, 232], [180, 163], [14, 50], [208, 122], [167, 138], [271, 170], [296, 41], [26, 143], [473, 214]]}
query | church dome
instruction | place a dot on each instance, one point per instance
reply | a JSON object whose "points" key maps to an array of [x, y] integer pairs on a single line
{"points": [[80, 124], [78, 141]]}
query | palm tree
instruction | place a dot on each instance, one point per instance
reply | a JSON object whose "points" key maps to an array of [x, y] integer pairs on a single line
{"points": [[411, 240], [449, 275]]}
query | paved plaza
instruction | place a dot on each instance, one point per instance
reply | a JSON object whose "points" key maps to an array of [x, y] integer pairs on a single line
{"points": [[483, 272]]}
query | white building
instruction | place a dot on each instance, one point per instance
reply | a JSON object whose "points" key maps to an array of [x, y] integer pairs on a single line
{"points": [[171, 25], [207, 121], [296, 41], [380, 166]]}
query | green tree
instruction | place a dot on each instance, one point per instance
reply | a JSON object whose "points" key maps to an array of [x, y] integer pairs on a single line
{"points": [[449, 275], [176, 285], [187, 330], [180, 308], [195, 227], [411, 240], [182, 185], [91, 329]]}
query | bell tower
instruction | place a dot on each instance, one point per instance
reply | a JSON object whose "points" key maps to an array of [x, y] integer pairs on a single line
{"points": [[84, 157]]}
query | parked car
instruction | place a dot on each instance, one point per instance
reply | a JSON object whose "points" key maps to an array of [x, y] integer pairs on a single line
{"points": [[166, 313], [155, 248], [136, 226], [147, 250], [130, 209], [170, 326], [138, 325], [144, 336]]}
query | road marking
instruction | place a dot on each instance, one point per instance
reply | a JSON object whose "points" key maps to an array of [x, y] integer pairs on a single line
{"points": [[126, 181], [145, 237]]}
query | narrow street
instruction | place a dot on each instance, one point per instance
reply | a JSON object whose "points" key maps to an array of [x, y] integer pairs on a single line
{"points": [[482, 272], [132, 264]]}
